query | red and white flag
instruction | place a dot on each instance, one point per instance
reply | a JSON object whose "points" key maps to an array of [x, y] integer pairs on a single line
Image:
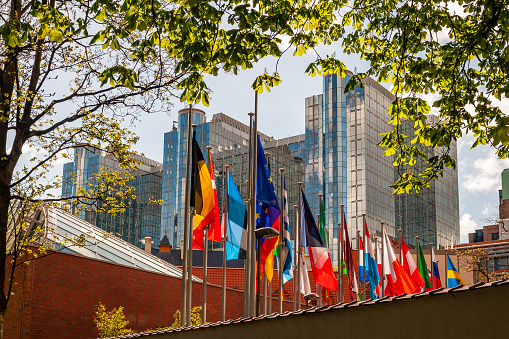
{"points": [[409, 265], [398, 281]]}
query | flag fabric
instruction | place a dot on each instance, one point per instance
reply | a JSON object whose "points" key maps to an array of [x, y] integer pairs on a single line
{"points": [[236, 244], [267, 206], [286, 257], [318, 254], [401, 280], [409, 265], [379, 266], [305, 286], [321, 223], [202, 195], [371, 265], [363, 276], [453, 276], [215, 223], [435, 274], [352, 277], [423, 268], [268, 266]]}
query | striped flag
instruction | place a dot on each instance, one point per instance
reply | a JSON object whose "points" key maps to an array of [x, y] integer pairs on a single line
{"points": [[371, 265], [202, 195], [236, 222], [435, 274], [352, 277], [453, 277], [409, 265], [215, 223], [286, 256], [318, 255]]}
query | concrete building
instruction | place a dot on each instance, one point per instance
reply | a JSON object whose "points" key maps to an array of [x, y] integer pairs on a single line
{"points": [[141, 218]]}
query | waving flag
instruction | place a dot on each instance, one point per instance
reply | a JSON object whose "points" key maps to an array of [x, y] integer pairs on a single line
{"points": [[371, 265], [380, 273], [423, 268], [202, 195], [267, 207], [409, 265], [402, 281], [237, 226], [363, 275], [286, 257], [352, 277], [215, 223], [318, 255], [435, 274], [305, 286], [453, 277]]}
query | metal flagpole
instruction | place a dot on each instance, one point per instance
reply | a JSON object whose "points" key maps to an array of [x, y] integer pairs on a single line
{"points": [[359, 262], [340, 249], [247, 263], [264, 292], [296, 277], [281, 240], [318, 287], [190, 268], [364, 263], [299, 263], [253, 207], [183, 294], [204, 282], [383, 257], [205, 262], [400, 231], [190, 260], [225, 238], [269, 293]]}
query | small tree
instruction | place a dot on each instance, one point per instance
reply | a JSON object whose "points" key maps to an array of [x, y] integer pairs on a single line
{"points": [[111, 323], [478, 261], [195, 317]]}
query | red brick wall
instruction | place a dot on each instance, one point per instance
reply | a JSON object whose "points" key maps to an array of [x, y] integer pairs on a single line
{"points": [[59, 301]]}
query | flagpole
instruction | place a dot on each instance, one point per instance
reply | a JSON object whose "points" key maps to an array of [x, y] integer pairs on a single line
{"points": [[364, 263], [183, 294], [318, 287], [264, 290], [296, 278], [190, 259], [340, 249], [205, 263], [281, 240], [400, 231], [225, 238], [269, 294], [247, 262], [253, 207], [358, 255], [383, 258], [299, 220]]}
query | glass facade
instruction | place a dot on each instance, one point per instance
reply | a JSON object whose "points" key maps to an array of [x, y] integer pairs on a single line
{"points": [[229, 140], [140, 218], [433, 213]]}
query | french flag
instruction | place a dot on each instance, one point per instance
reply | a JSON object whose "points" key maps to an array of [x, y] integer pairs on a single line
{"points": [[318, 255], [363, 275], [409, 265], [398, 281], [435, 274]]}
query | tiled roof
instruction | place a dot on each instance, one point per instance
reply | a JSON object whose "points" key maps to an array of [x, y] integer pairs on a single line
{"points": [[440, 291]]}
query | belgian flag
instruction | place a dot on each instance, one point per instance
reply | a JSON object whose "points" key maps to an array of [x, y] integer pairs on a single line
{"points": [[202, 195]]}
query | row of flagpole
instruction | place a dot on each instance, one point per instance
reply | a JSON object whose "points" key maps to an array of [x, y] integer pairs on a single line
{"points": [[317, 247]]}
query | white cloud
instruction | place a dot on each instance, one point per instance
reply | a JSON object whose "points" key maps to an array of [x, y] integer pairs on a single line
{"points": [[467, 225], [483, 175]]}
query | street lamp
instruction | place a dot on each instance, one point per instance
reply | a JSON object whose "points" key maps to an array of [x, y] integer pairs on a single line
{"points": [[261, 233]]}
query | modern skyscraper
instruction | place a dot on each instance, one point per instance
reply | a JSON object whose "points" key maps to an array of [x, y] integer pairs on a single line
{"points": [[229, 140], [345, 165], [140, 218]]}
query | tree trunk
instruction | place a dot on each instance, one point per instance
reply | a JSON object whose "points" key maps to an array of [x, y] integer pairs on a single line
{"points": [[5, 282]]}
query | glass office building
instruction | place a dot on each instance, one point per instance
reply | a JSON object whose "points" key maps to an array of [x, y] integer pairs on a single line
{"points": [[345, 165], [140, 218], [229, 140], [433, 213]]}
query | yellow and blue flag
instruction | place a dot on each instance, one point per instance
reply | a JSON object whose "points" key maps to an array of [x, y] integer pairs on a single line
{"points": [[453, 277]]}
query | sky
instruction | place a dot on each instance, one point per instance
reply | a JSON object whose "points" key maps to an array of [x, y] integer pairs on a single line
{"points": [[281, 114]]}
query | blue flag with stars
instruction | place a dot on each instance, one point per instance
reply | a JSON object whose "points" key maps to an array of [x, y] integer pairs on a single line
{"points": [[267, 206]]}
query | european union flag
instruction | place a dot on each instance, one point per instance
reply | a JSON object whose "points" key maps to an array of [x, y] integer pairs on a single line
{"points": [[267, 206]]}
